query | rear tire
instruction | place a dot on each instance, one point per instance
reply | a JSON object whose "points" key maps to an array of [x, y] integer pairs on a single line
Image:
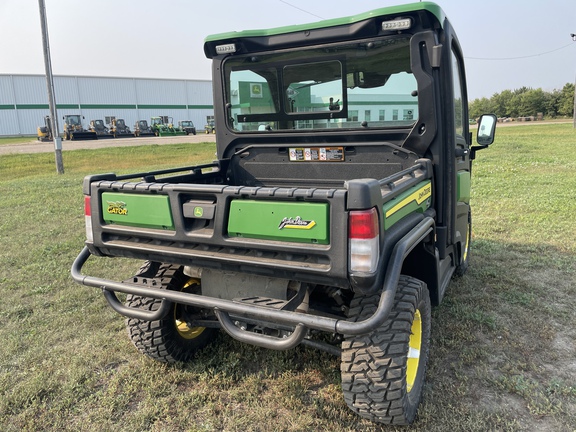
{"points": [[169, 339], [383, 371]]}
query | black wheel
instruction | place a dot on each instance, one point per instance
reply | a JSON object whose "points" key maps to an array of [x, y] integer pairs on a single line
{"points": [[465, 253], [383, 371], [170, 339]]}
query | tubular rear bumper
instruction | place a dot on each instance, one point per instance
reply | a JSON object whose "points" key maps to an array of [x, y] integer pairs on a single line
{"points": [[223, 308]]}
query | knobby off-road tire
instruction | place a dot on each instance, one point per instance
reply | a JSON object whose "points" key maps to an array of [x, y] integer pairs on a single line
{"points": [[383, 371], [168, 340]]}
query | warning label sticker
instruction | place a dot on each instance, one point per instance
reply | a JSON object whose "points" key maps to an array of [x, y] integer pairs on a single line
{"points": [[316, 154]]}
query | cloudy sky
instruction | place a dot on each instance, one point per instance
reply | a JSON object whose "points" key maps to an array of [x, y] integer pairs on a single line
{"points": [[507, 44]]}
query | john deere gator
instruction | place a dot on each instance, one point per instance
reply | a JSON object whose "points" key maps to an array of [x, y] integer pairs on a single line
{"points": [[335, 215]]}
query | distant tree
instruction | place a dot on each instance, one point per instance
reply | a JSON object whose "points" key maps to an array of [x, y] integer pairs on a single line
{"points": [[566, 101], [532, 102], [552, 103], [479, 106], [501, 103], [525, 102]]}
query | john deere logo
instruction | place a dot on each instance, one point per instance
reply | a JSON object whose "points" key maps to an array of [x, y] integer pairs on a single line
{"points": [[296, 223], [256, 90], [198, 212], [117, 207]]}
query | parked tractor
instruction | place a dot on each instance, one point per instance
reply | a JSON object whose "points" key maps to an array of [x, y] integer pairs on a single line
{"points": [[210, 128], [73, 129], [164, 126]]}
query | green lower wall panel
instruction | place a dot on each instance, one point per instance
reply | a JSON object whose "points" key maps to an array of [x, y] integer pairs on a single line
{"points": [[147, 211], [296, 222], [463, 182]]}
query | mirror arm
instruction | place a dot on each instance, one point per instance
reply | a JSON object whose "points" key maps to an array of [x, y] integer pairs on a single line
{"points": [[475, 149]]}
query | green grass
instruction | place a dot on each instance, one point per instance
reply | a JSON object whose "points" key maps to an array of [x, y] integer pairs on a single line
{"points": [[17, 140], [502, 353]]}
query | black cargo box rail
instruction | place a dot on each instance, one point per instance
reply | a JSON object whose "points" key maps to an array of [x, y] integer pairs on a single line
{"points": [[206, 243]]}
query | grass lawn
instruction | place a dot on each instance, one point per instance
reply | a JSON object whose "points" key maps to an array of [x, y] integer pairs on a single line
{"points": [[502, 357], [17, 140]]}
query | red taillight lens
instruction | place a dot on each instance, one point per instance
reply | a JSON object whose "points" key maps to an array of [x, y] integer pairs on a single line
{"points": [[88, 219], [363, 224], [363, 241], [87, 210]]}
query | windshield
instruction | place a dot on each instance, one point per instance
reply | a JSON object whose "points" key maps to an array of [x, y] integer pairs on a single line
{"points": [[74, 119], [364, 84]]}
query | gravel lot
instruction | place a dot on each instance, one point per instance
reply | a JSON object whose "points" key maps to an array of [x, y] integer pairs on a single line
{"points": [[35, 146]]}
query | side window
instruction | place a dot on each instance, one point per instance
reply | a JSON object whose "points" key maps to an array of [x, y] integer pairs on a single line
{"points": [[458, 100]]}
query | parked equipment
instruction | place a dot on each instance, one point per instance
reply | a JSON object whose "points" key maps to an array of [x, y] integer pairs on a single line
{"points": [[187, 126], [73, 129], [141, 128], [118, 129], [45, 132], [98, 127], [210, 128], [164, 126]]}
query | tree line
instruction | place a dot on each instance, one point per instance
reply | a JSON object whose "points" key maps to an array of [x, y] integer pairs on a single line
{"points": [[526, 102]]}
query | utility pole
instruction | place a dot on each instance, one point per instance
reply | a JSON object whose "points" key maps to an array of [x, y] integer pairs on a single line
{"points": [[50, 86]]}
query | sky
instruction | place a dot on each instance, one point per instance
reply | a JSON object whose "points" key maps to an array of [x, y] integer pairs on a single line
{"points": [[507, 44]]}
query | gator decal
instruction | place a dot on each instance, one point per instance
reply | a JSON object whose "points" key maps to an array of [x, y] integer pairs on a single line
{"points": [[414, 199], [117, 207], [282, 221], [144, 211]]}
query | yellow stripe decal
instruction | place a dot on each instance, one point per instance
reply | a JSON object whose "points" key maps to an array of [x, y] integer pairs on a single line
{"points": [[419, 196]]}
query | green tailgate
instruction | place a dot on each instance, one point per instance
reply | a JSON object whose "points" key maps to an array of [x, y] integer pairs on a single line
{"points": [[146, 211], [296, 222]]}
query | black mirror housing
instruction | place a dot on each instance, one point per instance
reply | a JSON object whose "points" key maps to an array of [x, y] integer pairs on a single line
{"points": [[486, 129]]}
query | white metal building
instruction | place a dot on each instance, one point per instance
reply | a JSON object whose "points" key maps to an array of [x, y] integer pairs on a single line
{"points": [[24, 100]]}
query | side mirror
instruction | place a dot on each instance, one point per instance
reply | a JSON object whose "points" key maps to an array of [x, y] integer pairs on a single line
{"points": [[486, 129]]}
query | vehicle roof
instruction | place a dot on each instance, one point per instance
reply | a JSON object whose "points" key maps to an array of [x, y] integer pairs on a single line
{"points": [[392, 10]]}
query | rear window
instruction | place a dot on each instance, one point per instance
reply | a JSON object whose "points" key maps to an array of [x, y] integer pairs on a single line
{"points": [[364, 84]]}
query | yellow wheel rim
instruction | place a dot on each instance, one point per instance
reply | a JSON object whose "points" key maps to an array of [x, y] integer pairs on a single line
{"points": [[467, 245], [184, 330], [415, 345]]}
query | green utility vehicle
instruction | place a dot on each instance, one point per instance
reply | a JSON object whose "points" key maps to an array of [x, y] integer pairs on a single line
{"points": [[187, 126], [164, 126], [335, 215]]}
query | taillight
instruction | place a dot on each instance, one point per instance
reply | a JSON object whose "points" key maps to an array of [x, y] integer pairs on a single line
{"points": [[88, 219], [364, 240]]}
